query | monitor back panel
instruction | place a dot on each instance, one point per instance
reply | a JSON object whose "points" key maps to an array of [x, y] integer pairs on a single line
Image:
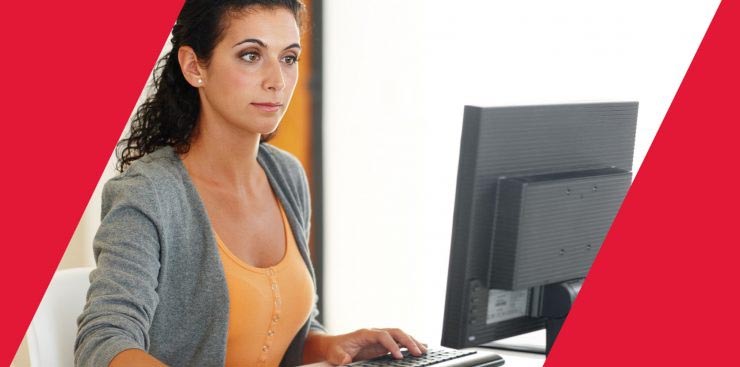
{"points": [[516, 142]]}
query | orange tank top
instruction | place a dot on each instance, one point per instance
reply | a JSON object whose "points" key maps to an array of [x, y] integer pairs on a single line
{"points": [[267, 306]]}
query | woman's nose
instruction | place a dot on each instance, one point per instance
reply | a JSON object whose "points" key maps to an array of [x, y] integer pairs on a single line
{"points": [[274, 79]]}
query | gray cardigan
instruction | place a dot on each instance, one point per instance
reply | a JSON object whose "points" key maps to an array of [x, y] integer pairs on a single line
{"points": [[159, 283]]}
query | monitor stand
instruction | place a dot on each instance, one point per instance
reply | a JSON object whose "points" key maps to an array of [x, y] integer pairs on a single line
{"points": [[557, 301]]}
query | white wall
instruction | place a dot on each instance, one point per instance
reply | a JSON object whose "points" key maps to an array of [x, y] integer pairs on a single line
{"points": [[397, 76]]}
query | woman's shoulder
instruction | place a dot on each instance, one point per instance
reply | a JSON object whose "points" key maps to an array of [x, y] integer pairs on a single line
{"points": [[149, 179], [161, 164]]}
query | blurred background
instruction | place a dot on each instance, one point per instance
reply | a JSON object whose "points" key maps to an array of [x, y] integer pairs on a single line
{"points": [[377, 116]]}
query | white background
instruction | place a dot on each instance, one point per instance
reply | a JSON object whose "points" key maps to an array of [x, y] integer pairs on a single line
{"points": [[397, 75]]}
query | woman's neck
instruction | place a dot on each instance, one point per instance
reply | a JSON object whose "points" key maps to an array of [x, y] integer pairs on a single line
{"points": [[219, 154]]}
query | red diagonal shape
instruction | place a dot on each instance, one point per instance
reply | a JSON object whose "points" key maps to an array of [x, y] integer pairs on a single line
{"points": [[663, 291], [72, 72]]}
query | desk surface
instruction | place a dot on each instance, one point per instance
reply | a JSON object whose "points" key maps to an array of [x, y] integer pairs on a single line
{"points": [[511, 358]]}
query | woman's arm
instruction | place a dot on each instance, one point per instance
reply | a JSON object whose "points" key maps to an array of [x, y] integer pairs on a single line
{"points": [[122, 297], [315, 348], [359, 345], [135, 357]]}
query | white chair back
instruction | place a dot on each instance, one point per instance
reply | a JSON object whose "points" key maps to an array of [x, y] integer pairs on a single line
{"points": [[53, 330]]}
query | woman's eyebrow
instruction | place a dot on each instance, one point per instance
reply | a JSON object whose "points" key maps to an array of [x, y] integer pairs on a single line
{"points": [[254, 40]]}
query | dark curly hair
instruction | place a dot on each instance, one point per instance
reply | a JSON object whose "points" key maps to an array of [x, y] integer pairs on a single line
{"points": [[169, 116]]}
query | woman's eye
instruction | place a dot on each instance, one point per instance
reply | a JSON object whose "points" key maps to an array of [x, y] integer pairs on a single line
{"points": [[251, 56], [290, 60]]}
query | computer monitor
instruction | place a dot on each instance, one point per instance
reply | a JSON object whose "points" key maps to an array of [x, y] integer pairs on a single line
{"points": [[537, 190]]}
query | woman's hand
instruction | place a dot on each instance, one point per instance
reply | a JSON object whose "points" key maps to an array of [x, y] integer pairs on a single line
{"points": [[369, 343]]}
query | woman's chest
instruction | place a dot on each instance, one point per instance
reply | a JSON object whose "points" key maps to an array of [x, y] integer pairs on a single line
{"points": [[253, 230]]}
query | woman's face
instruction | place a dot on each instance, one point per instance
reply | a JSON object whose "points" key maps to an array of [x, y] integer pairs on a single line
{"points": [[253, 70]]}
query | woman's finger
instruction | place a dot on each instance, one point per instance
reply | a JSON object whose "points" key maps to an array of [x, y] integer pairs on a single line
{"points": [[385, 339], [405, 340], [337, 356], [422, 346]]}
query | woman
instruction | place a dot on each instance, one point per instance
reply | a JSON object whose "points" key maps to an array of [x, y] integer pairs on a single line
{"points": [[202, 251]]}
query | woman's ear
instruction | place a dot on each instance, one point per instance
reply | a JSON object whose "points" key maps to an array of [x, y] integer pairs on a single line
{"points": [[190, 67]]}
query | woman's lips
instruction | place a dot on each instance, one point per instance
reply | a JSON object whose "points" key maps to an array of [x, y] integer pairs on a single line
{"points": [[267, 107]]}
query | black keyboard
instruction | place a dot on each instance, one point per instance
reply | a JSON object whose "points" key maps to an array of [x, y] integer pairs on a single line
{"points": [[434, 357]]}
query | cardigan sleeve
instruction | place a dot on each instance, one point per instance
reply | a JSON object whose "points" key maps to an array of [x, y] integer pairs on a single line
{"points": [[122, 297]]}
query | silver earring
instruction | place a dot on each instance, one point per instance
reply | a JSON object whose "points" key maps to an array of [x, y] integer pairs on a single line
{"points": [[200, 81]]}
